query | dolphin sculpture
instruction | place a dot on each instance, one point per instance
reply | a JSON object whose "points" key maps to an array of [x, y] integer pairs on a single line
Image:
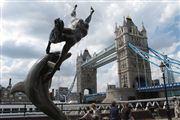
{"points": [[36, 86]]}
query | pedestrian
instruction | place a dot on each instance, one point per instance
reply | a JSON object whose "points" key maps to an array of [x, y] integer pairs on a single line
{"points": [[96, 112], [114, 112], [87, 116], [87, 109], [176, 108], [126, 113]]}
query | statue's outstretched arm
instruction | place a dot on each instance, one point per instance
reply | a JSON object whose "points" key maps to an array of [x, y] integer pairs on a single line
{"points": [[73, 14], [48, 48], [88, 19]]}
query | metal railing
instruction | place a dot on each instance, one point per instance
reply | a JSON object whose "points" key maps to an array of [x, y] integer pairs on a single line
{"points": [[80, 109]]}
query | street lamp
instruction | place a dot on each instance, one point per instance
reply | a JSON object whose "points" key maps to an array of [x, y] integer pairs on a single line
{"points": [[80, 97], [163, 67]]}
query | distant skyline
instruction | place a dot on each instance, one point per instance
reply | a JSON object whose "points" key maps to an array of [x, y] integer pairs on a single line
{"points": [[26, 25]]}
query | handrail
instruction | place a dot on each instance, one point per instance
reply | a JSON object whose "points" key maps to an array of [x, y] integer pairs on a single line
{"points": [[79, 108]]}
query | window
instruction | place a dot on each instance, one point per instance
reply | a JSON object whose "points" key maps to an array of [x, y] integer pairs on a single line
{"points": [[6, 110], [123, 53], [125, 81], [22, 109], [123, 64]]}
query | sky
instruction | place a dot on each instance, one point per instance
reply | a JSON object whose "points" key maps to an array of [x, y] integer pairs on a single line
{"points": [[25, 29]]}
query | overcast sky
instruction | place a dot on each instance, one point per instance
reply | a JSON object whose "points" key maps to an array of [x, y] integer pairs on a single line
{"points": [[25, 28]]}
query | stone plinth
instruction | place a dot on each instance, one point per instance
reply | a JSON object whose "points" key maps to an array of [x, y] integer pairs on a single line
{"points": [[119, 94]]}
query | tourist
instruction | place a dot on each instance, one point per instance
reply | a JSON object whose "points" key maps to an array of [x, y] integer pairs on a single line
{"points": [[114, 112], [96, 112], [87, 116], [87, 109], [126, 113], [176, 108]]}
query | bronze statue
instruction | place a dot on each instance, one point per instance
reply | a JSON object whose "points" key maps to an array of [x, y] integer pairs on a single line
{"points": [[37, 88], [70, 36], [37, 83]]}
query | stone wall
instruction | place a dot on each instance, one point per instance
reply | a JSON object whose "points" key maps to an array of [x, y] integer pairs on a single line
{"points": [[119, 94]]}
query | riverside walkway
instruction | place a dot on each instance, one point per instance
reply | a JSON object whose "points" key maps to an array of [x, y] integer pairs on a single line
{"points": [[147, 109]]}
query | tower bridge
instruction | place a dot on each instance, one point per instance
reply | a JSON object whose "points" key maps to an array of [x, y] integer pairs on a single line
{"points": [[132, 70], [130, 49], [104, 57]]}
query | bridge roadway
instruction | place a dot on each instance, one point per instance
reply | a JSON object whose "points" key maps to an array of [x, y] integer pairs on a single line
{"points": [[104, 57], [170, 86], [141, 109], [108, 55]]}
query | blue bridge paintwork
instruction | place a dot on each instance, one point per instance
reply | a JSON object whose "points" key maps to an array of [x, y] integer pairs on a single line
{"points": [[171, 86]]}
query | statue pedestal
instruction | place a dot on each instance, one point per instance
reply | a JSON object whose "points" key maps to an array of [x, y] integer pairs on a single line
{"points": [[118, 94]]}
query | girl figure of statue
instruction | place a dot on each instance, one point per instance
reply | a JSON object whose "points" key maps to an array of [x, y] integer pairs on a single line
{"points": [[70, 36]]}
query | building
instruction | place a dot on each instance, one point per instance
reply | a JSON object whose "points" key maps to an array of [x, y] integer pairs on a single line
{"points": [[74, 96], [7, 97], [133, 71], [86, 77], [61, 94], [169, 77]]}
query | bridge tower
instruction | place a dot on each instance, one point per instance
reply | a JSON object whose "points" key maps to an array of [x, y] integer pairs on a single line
{"points": [[86, 76], [132, 70]]}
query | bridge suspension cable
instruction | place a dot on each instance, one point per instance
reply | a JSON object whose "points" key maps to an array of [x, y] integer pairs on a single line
{"points": [[167, 59], [169, 62]]}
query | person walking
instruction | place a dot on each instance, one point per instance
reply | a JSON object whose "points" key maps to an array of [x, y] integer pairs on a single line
{"points": [[126, 112], [87, 116], [96, 112], [176, 108], [114, 112]]}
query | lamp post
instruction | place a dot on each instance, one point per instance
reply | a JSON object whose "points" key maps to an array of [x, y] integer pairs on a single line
{"points": [[80, 97], [162, 67]]}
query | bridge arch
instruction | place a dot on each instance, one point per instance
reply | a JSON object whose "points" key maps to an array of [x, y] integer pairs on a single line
{"points": [[88, 91]]}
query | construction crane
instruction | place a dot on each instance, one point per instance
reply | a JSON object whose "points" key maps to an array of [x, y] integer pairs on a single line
{"points": [[72, 85]]}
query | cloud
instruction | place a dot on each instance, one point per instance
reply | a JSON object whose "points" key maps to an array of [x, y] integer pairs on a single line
{"points": [[107, 74], [168, 33], [173, 53], [10, 49], [168, 12], [26, 28], [113, 10], [16, 69]]}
